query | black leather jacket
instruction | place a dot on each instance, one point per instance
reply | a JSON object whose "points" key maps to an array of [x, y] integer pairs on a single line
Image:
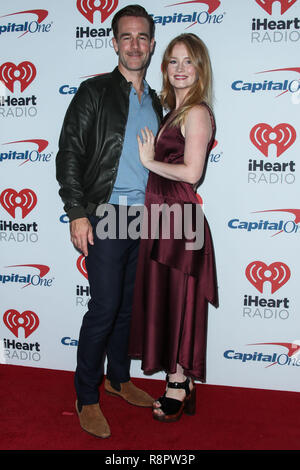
{"points": [[91, 142]]}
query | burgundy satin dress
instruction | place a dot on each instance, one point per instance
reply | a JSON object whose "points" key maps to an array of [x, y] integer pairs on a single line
{"points": [[173, 285]]}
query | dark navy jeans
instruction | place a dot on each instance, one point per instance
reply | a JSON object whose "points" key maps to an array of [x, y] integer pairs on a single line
{"points": [[111, 267]]}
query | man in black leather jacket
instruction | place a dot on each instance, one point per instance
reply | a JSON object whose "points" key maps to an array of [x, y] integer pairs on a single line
{"points": [[98, 162]]}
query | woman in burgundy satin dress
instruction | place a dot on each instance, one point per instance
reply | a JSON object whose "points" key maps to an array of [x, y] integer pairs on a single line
{"points": [[174, 284]]}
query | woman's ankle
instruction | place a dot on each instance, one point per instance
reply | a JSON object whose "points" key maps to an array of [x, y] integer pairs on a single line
{"points": [[177, 377]]}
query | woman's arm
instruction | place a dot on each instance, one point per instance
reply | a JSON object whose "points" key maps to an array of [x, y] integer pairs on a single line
{"points": [[197, 132]]}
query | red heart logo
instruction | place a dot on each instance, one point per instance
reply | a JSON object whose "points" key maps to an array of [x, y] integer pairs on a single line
{"points": [[268, 4], [25, 73], [200, 200], [11, 199], [81, 266], [283, 136], [88, 8], [27, 320], [258, 273]]}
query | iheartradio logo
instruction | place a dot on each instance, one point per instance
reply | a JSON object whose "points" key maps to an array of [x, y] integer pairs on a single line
{"points": [[267, 5], [277, 274], [26, 200], [282, 136], [24, 73], [81, 266], [27, 320], [88, 7], [82, 292]]}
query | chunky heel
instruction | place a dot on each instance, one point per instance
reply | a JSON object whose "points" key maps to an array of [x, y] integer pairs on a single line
{"points": [[190, 403], [172, 408]]}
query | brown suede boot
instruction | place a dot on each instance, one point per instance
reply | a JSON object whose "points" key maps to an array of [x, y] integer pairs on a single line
{"points": [[93, 421], [130, 393]]}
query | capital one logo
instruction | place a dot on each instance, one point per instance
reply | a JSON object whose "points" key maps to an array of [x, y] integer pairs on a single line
{"points": [[40, 14], [88, 7], [24, 73], [26, 200], [41, 143], [277, 274], [289, 358], [283, 136], [212, 4], [267, 5], [29, 279], [28, 155], [81, 266], [27, 320]]}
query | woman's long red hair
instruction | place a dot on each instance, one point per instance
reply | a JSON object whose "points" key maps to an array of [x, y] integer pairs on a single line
{"points": [[201, 91]]}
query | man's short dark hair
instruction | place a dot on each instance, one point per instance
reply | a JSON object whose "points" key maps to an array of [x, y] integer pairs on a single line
{"points": [[132, 10]]}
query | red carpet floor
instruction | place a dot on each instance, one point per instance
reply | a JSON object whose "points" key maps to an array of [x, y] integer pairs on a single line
{"points": [[37, 413]]}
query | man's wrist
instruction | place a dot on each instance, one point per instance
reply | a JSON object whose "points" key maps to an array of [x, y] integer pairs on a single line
{"points": [[76, 212]]}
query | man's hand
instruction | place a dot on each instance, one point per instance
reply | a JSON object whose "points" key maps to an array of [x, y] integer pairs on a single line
{"points": [[81, 234]]}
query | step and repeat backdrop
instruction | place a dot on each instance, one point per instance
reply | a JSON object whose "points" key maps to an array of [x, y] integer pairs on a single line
{"points": [[250, 193]]}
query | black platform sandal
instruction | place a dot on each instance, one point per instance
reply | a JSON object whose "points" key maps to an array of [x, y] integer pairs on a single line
{"points": [[172, 408]]}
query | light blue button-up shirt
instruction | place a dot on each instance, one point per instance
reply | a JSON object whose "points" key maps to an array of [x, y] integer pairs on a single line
{"points": [[131, 181]]}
